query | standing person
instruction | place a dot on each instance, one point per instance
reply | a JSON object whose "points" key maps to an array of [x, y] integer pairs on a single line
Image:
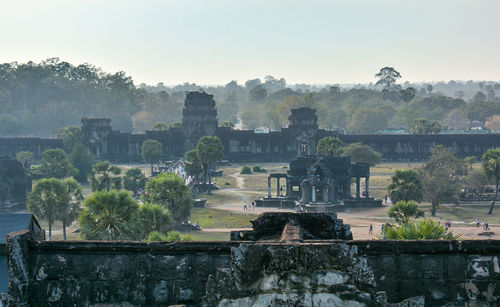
{"points": [[370, 231], [245, 206], [486, 225], [477, 222], [483, 224]]}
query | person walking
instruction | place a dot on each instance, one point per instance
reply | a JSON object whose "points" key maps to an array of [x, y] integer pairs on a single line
{"points": [[370, 230]]}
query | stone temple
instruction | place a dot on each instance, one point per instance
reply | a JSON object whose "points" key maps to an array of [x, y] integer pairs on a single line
{"points": [[320, 184], [300, 137]]}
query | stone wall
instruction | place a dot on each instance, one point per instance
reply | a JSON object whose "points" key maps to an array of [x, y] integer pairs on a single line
{"points": [[116, 273]]}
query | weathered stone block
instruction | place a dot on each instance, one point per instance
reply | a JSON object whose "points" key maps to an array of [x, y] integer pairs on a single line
{"points": [[408, 266], [456, 267], [431, 267], [388, 266], [173, 267], [436, 291], [410, 288], [109, 291], [480, 267]]}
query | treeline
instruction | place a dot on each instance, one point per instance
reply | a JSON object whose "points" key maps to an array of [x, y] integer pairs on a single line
{"points": [[38, 98]]}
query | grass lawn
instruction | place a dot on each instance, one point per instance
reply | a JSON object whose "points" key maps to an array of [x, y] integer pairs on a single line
{"points": [[214, 218], [206, 236]]}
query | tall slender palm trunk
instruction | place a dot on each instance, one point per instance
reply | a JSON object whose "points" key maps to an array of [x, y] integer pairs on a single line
{"points": [[64, 229], [494, 199]]}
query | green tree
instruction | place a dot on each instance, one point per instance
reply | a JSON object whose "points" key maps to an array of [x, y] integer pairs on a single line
{"points": [[170, 191], [368, 120], [47, 200], [171, 236], [70, 135], [476, 180], [408, 94], [440, 177], [421, 230], [9, 124], [101, 178], [152, 151], [160, 126], [387, 77], [82, 160], [209, 152], [109, 215], [154, 217], [329, 146], [403, 211], [405, 186], [469, 161], [227, 124], [360, 153], [134, 180], [55, 164], [192, 164], [422, 126], [175, 125], [491, 167], [25, 157], [70, 210]]}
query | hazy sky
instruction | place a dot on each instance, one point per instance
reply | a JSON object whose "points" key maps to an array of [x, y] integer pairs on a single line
{"points": [[216, 41]]}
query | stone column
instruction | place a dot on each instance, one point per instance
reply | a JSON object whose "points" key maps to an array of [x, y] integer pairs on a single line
{"points": [[358, 183], [269, 187], [278, 187], [313, 194], [325, 194], [367, 187]]}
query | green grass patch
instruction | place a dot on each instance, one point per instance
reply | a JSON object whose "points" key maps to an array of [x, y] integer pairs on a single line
{"points": [[215, 218], [206, 236]]}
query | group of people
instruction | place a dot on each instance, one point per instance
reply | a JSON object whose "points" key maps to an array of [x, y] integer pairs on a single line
{"points": [[484, 224], [249, 206]]}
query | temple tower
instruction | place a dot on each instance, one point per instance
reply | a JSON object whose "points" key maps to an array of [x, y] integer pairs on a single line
{"points": [[199, 117], [304, 127], [95, 135]]}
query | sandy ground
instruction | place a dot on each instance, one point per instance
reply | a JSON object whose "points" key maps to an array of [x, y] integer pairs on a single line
{"points": [[359, 220]]}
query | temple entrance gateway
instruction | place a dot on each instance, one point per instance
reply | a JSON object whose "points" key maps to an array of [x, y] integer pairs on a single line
{"points": [[321, 184]]}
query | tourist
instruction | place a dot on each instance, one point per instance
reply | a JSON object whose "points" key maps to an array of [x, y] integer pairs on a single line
{"points": [[370, 231], [253, 205], [477, 222], [486, 225], [245, 206]]}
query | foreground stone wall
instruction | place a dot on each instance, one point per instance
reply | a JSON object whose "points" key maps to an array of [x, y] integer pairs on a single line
{"points": [[83, 273], [161, 274]]}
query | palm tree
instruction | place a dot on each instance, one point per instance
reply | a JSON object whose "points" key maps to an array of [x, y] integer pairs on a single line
{"points": [[405, 185], [170, 191], [109, 215], [154, 217], [491, 166], [403, 211], [421, 230], [48, 198], [101, 180], [71, 210]]}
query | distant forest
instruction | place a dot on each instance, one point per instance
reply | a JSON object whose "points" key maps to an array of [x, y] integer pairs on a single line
{"points": [[38, 98]]}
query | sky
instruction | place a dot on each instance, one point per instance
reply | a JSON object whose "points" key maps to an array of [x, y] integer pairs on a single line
{"points": [[211, 42]]}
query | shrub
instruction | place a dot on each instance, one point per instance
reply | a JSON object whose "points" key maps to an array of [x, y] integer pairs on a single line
{"points": [[156, 236], [258, 169], [246, 170], [421, 230]]}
